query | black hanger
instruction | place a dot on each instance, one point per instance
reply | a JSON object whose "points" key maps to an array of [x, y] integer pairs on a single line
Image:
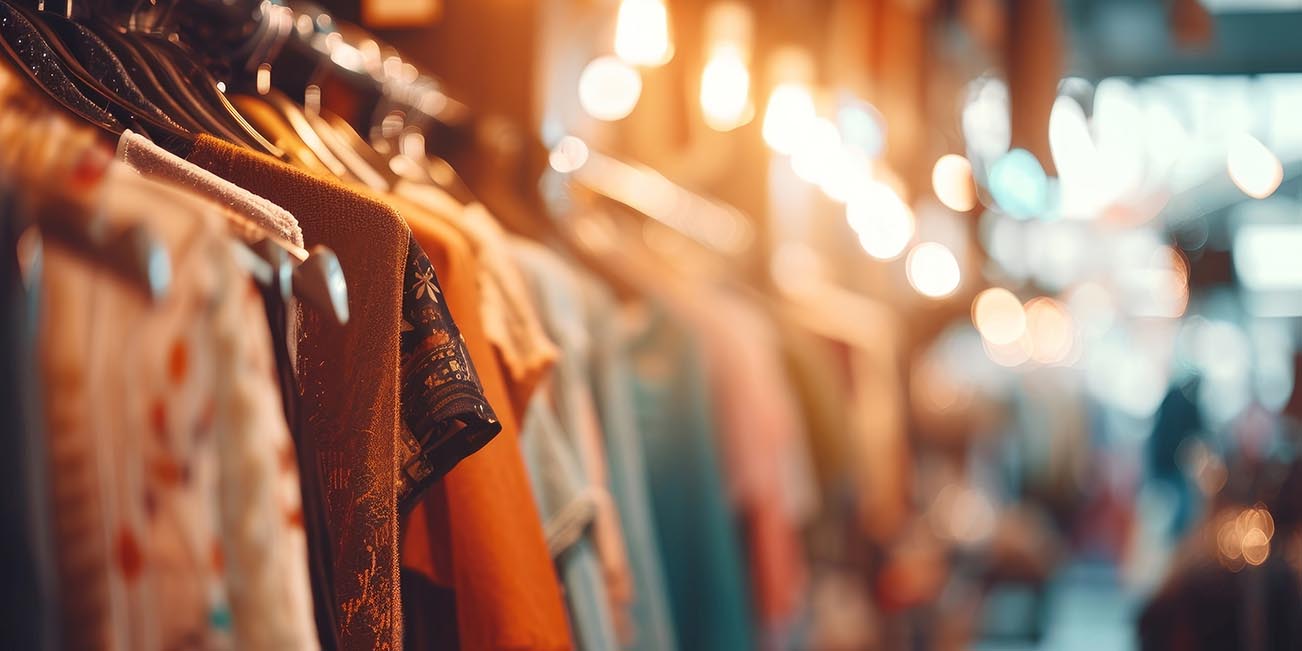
{"points": [[91, 87], [165, 133], [185, 89], [158, 73], [198, 83], [132, 253], [31, 56], [138, 68], [102, 62]]}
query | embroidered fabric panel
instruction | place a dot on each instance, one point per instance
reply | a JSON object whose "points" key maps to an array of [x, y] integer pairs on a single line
{"points": [[446, 415]]}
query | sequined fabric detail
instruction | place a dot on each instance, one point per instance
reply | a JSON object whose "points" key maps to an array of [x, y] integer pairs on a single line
{"points": [[93, 53], [37, 56]]}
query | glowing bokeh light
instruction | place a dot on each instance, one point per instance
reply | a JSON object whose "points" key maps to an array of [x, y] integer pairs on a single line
{"points": [[1264, 255], [1050, 330], [1009, 355], [1019, 185], [1120, 133], [933, 270], [1007, 241], [1256, 547], [642, 33], [1175, 283], [862, 126], [725, 90], [787, 116], [1228, 541], [1167, 142], [1221, 350], [1057, 253], [1126, 374], [1093, 308], [951, 180], [1253, 167], [1245, 536], [999, 316], [849, 170], [1069, 135], [883, 222], [1258, 518], [1152, 278], [985, 119], [568, 155], [1083, 185], [817, 152], [609, 89]]}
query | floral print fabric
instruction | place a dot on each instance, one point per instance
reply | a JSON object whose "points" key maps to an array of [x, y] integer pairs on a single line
{"points": [[173, 428]]}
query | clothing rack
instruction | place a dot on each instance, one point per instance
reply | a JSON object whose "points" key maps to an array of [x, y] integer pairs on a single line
{"points": [[298, 49], [279, 468], [321, 283]]}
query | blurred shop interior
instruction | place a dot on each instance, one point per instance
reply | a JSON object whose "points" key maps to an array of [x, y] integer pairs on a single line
{"points": [[918, 324], [1060, 233]]}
